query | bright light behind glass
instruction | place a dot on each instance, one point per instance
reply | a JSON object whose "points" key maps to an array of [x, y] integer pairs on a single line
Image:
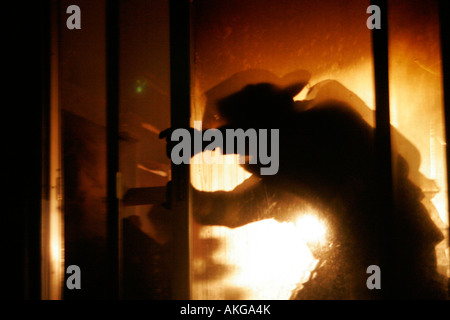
{"points": [[267, 259], [310, 228]]}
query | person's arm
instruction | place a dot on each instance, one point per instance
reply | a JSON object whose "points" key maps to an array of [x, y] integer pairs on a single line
{"points": [[252, 200]]}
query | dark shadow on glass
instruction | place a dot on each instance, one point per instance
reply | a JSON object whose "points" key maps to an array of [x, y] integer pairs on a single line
{"points": [[326, 161]]}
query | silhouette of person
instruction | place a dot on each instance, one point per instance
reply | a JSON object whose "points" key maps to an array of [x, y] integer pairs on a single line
{"points": [[326, 160]]}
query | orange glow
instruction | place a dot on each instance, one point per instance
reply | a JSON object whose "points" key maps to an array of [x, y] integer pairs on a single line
{"points": [[227, 175], [328, 51], [310, 228], [416, 105], [52, 223], [268, 259]]}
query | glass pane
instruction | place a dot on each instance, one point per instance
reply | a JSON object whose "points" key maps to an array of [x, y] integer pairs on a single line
{"points": [[325, 45], [83, 104], [144, 112], [416, 102]]}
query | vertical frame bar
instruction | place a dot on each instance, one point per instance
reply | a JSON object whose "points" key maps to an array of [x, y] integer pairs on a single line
{"points": [[179, 11], [112, 145], [383, 147], [444, 22], [52, 222]]}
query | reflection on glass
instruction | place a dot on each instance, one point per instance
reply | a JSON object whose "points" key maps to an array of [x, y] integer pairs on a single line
{"points": [[415, 82], [144, 105]]}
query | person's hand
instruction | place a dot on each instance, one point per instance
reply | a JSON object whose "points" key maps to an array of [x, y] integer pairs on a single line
{"points": [[167, 134], [170, 144]]}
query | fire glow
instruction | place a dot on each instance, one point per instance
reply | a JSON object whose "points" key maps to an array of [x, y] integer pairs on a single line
{"points": [[268, 258]]}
